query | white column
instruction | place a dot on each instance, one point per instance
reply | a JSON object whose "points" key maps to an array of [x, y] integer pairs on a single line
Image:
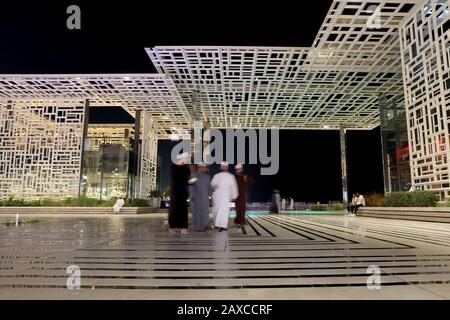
{"points": [[148, 156], [344, 165], [83, 140]]}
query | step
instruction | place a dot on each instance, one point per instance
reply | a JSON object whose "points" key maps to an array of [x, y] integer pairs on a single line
{"points": [[414, 213]]}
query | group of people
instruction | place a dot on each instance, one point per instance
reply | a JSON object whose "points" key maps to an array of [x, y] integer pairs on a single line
{"points": [[285, 202], [278, 205], [195, 184], [357, 202]]}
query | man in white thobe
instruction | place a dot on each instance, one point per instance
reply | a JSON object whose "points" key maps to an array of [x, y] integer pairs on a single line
{"points": [[283, 204], [225, 190]]}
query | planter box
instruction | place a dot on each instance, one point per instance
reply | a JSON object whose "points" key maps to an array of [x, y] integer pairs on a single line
{"points": [[155, 202]]}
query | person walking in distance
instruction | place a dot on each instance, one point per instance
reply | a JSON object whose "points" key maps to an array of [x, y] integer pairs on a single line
{"points": [[283, 204], [275, 206]]}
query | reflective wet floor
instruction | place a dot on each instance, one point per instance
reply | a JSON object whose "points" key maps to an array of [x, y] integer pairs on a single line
{"points": [[281, 257]]}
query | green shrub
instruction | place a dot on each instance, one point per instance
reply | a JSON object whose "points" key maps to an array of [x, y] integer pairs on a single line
{"points": [[425, 199], [35, 203], [156, 194], [318, 207], [11, 202], [108, 203], [48, 203], [70, 202], [137, 203], [85, 202], [337, 207], [444, 204], [375, 200], [412, 199]]}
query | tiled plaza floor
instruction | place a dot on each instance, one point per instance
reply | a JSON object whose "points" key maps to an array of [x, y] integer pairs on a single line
{"points": [[281, 257]]}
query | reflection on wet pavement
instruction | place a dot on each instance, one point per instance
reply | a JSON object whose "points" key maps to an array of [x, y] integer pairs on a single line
{"points": [[281, 257]]}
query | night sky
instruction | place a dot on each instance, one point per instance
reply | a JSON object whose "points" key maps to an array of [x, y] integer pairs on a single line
{"points": [[112, 38], [310, 168]]}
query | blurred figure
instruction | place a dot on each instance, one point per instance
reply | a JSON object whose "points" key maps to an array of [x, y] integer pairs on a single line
{"points": [[225, 190], [200, 192], [243, 181], [283, 204], [360, 202], [291, 205], [275, 206], [180, 178], [118, 205], [352, 205]]}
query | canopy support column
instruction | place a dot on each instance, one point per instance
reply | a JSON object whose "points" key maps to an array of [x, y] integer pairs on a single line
{"points": [[83, 142], [136, 154], [148, 156], [344, 165], [196, 131]]}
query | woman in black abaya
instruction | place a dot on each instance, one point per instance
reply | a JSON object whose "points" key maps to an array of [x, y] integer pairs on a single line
{"points": [[178, 210]]}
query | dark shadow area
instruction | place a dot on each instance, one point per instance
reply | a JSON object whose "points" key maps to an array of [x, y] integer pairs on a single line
{"points": [[109, 115], [310, 166], [364, 159]]}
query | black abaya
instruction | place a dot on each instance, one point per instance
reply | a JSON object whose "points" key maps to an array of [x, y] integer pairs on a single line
{"points": [[178, 211]]}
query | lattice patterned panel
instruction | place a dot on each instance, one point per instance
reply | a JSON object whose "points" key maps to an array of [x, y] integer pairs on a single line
{"points": [[40, 144], [152, 92], [336, 82], [111, 130], [426, 69], [361, 35], [149, 155]]}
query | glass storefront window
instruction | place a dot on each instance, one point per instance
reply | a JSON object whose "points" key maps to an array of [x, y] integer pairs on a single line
{"points": [[108, 168], [394, 134]]}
